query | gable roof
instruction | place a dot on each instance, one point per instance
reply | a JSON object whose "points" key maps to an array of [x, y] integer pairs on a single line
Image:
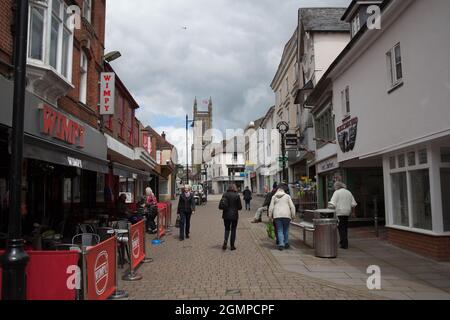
{"points": [[161, 143], [323, 19]]}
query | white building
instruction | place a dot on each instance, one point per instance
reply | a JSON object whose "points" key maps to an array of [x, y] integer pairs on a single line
{"points": [[390, 98]]}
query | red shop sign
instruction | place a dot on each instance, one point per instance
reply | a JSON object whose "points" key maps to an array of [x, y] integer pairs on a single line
{"points": [[137, 243], [101, 270], [57, 125]]}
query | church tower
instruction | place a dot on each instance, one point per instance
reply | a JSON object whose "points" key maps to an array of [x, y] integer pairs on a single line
{"points": [[203, 123]]}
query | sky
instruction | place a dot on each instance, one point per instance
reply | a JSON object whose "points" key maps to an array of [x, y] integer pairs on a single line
{"points": [[176, 50]]}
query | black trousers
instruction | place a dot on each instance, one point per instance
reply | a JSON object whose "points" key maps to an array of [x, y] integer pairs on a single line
{"points": [[185, 224], [343, 231], [230, 227], [247, 204]]}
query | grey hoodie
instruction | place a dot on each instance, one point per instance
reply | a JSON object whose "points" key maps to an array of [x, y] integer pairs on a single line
{"points": [[281, 206]]}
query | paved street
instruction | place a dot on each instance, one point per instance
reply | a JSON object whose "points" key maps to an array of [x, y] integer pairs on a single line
{"points": [[199, 269]]}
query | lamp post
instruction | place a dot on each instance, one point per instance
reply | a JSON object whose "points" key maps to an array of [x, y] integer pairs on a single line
{"points": [[187, 147], [283, 128], [15, 259]]}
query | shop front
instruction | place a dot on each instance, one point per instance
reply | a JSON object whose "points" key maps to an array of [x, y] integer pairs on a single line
{"points": [[64, 161], [328, 173]]}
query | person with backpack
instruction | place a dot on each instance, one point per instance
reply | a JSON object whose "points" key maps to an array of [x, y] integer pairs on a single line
{"points": [[282, 211], [247, 198], [230, 204]]}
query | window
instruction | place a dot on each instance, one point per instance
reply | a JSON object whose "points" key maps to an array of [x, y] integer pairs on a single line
{"points": [[421, 199], [394, 62], [400, 199], [287, 87], [83, 78], [325, 130], [50, 39], [345, 98], [87, 9], [164, 187], [445, 187], [356, 25], [445, 155]]}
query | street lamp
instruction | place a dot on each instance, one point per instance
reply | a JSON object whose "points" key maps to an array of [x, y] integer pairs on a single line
{"points": [[111, 56], [187, 147], [283, 128], [15, 259]]}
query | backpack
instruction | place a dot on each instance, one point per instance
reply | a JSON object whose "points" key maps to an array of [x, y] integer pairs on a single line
{"points": [[224, 203]]}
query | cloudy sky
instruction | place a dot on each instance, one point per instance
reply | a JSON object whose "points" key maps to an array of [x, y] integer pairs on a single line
{"points": [[174, 50]]}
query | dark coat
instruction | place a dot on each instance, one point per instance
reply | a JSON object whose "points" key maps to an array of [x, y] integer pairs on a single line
{"points": [[247, 195], [234, 206], [186, 205], [268, 198]]}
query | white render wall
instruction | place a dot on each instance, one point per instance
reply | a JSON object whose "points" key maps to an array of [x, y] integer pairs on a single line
{"points": [[327, 46], [418, 109]]}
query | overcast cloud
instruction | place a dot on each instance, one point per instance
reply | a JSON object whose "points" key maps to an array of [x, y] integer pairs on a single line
{"points": [[230, 50]]}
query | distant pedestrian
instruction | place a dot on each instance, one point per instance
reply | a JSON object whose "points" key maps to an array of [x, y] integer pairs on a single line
{"points": [[230, 204], [282, 211], [186, 208], [344, 203], [151, 204], [247, 198]]}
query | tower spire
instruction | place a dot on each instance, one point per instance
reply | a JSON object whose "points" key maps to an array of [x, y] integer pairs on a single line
{"points": [[195, 106]]}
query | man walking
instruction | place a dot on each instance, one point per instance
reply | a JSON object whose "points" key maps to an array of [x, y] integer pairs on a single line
{"points": [[344, 203], [247, 198]]}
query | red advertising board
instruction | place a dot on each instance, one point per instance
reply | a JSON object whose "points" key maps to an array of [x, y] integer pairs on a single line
{"points": [[48, 275], [137, 243], [101, 270]]}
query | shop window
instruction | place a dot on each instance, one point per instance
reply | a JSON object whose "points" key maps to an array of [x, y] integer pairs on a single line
{"points": [[445, 155], [421, 199], [164, 187], [67, 192], [400, 199], [127, 186], [100, 187], [411, 158], [423, 156], [401, 161], [392, 163], [445, 187], [76, 189]]}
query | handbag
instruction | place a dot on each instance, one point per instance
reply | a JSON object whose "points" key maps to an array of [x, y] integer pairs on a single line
{"points": [[178, 222], [270, 231]]}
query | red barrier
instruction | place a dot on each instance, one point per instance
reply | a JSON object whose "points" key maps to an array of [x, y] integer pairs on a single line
{"points": [[137, 243], [101, 270], [47, 275]]}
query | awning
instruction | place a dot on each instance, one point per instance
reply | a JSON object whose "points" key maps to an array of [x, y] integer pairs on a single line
{"points": [[129, 172], [39, 149]]}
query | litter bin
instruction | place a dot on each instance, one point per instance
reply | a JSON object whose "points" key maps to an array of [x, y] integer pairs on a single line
{"points": [[325, 238]]}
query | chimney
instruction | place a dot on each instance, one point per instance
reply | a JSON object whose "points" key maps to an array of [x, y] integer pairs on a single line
{"points": [[163, 135]]}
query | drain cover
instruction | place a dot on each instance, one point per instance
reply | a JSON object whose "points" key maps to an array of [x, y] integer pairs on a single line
{"points": [[232, 292]]}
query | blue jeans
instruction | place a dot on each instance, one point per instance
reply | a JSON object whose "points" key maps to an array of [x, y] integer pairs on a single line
{"points": [[283, 231]]}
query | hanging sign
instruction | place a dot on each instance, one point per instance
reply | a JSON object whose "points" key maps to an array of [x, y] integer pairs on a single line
{"points": [[107, 93], [347, 135]]}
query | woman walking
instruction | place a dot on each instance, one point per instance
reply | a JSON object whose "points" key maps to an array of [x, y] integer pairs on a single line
{"points": [[282, 211], [247, 198], [230, 205], [186, 208]]}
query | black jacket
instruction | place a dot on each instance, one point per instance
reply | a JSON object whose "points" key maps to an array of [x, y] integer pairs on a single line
{"points": [[247, 194], [268, 198], [234, 206], [186, 205]]}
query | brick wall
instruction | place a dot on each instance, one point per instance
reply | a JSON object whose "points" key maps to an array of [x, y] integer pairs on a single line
{"points": [[437, 248], [6, 40]]}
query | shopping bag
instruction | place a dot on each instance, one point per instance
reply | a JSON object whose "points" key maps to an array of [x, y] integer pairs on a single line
{"points": [[270, 231], [177, 223]]}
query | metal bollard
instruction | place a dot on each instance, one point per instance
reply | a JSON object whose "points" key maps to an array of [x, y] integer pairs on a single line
{"points": [[84, 271], [146, 260]]}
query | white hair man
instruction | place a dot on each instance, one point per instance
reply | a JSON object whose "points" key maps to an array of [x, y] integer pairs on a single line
{"points": [[344, 203]]}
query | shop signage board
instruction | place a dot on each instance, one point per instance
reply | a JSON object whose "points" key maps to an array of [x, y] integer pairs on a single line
{"points": [[291, 140], [347, 134], [75, 162], [328, 165], [107, 93], [101, 270]]}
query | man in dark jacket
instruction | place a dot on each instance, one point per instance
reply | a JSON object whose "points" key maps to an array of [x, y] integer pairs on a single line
{"points": [[247, 198], [186, 208], [266, 204], [230, 205]]}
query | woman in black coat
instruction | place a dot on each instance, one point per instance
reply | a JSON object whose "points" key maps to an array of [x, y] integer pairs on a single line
{"points": [[230, 205], [186, 208]]}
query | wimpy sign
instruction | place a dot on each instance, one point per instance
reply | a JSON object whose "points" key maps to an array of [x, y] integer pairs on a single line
{"points": [[107, 93]]}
